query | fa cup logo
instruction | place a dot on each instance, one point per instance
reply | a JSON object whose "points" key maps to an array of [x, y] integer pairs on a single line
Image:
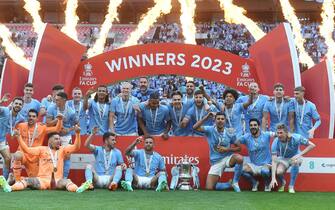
{"points": [[88, 70], [245, 70]]}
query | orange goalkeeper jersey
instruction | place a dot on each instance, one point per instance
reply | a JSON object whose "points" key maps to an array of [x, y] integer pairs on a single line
{"points": [[34, 140], [45, 161]]}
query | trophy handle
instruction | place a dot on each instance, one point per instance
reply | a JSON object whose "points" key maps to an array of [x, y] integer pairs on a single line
{"points": [[175, 177], [195, 176]]}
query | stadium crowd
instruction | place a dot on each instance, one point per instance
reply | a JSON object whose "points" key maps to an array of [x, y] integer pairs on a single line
{"points": [[143, 108], [220, 35]]}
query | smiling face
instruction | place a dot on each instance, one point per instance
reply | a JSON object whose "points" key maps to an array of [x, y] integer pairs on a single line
{"points": [[126, 90], [77, 94], [148, 144], [253, 88], [299, 95], [60, 102], [190, 88], [176, 101], [220, 121], [110, 142], [199, 99], [229, 99], [54, 141], [17, 105], [278, 92], [32, 118], [153, 103], [143, 84], [28, 92], [254, 128], [282, 135], [102, 93]]}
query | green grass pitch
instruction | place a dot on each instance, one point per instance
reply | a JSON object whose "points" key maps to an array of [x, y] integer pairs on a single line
{"points": [[140, 199]]}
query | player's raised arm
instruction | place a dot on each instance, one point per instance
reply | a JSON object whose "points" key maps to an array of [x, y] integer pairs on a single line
{"points": [[131, 147], [197, 125], [89, 139], [76, 146], [58, 126], [24, 147]]}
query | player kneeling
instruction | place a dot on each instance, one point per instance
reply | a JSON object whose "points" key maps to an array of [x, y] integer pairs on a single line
{"points": [[51, 164], [107, 170], [286, 153], [147, 163]]}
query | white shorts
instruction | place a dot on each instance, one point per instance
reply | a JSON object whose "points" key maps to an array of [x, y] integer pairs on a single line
{"points": [[3, 145], [144, 182], [256, 170], [287, 161], [218, 168], [103, 181], [65, 140]]}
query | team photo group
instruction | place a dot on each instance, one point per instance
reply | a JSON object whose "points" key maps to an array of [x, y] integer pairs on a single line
{"points": [[274, 129]]}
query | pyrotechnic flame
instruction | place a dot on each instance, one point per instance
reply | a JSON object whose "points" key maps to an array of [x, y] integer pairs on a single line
{"points": [[32, 7], [290, 16], [235, 14], [327, 28], [161, 7], [187, 20], [112, 14], [71, 19], [11, 49]]}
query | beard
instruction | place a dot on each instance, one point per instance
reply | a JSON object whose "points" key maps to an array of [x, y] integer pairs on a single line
{"points": [[254, 131]]}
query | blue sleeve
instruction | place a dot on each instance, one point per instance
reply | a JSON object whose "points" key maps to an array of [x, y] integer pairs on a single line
{"points": [[315, 116], [239, 100], [75, 119], [135, 153], [167, 114], [207, 129], [267, 106], [119, 158], [161, 164], [291, 107], [113, 105], [274, 147], [315, 113], [43, 103], [303, 140], [38, 105], [90, 101], [213, 108], [142, 107], [243, 139], [268, 135], [239, 107], [96, 151], [189, 113], [2, 110], [50, 111]]}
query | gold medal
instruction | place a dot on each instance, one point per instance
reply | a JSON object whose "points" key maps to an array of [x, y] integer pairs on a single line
{"points": [[55, 169], [147, 174]]}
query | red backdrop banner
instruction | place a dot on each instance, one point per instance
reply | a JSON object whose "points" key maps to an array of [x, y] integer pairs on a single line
{"points": [[320, 90], [55, 60], [166, 58], [276, 60], [13, 78]]}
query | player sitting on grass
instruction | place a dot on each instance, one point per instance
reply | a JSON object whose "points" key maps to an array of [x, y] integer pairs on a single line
{"points": [[149, 167], [51, 164], [286, 153], [108, 164]]}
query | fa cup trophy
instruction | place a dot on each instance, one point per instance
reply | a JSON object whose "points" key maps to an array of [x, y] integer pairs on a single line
{"points": [[182, 174]]}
